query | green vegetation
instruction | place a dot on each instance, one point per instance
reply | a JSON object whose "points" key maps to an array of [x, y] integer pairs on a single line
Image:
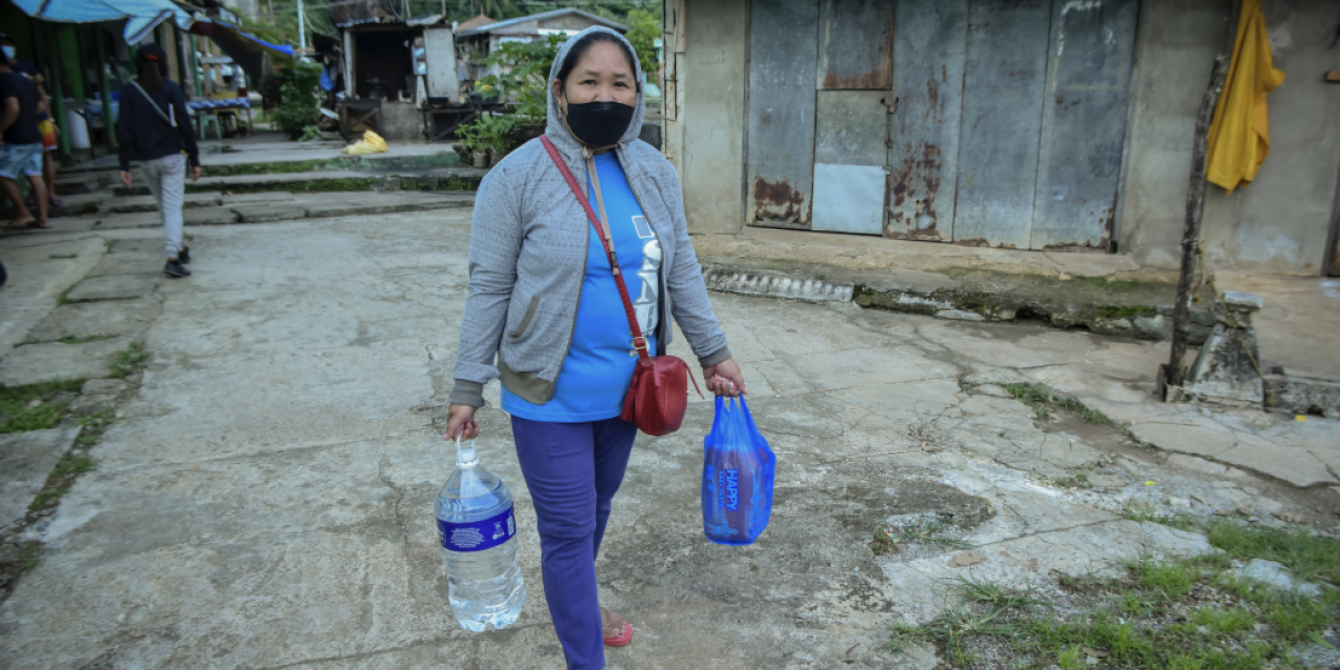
{"points": [[1143, 513], [62, 477], [71, 339], [64, 298], [1308, 556], [644, 28], [297, 84], [94, 425], [1043, 398], [926, 530], [25, 408], [1127, 285], [1123, 311], [1182, 613], [130, 361]]}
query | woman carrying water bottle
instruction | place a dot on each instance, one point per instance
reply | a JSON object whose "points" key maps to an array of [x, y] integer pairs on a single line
{"points": [[544, 314]]}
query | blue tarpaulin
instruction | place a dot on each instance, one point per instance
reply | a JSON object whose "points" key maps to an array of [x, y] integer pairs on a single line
{"points": [[256, 57], [141, 16]]}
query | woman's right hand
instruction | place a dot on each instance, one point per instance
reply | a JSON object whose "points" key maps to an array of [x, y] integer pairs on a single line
{"points": [[461, 422]]}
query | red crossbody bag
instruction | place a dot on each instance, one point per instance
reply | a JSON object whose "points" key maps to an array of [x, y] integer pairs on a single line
{"points": [[659, 394]]}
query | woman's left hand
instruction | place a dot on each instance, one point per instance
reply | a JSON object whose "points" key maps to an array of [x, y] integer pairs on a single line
{"points": [[724, 378]]}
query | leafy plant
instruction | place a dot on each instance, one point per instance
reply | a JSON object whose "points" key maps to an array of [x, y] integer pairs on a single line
{"points": [[644, 28], [298, 99], [522, 77]]}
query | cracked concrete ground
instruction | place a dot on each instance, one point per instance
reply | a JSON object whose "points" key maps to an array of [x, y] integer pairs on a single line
{"points": [[265, 501]]}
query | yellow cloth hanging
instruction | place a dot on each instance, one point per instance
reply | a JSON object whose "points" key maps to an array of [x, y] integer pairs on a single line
{"points": [[1239, 137]]}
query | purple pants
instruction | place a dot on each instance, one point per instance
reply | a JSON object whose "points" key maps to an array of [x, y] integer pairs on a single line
{"points": [[573, 471]]}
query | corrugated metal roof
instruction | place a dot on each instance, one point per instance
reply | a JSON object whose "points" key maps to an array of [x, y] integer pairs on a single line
{"points": [[502, 26]]}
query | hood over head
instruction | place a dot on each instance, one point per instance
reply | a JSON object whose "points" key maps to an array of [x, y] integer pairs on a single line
{"points": [[557, 128]]}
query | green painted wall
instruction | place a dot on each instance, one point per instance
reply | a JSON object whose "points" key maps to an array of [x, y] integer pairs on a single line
{"points": [[68, 39]]}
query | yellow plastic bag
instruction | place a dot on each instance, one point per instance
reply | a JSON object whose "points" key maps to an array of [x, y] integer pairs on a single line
{"points": [[372, 143]]}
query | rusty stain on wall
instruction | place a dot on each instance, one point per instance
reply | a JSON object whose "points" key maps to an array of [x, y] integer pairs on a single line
{"points": [[779, 204], [857, 44], [917, 181]]}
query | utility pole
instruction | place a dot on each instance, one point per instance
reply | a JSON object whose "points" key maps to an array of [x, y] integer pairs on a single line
{"points": [[302, 32]]}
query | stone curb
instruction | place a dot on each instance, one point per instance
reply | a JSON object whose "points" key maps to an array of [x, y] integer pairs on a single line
{"points": [[955, 303]]}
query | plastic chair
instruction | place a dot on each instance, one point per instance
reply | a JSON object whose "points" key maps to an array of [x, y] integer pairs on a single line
{"points": [[204, 119]]}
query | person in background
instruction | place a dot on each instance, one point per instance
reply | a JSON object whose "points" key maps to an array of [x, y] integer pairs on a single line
{"points": [[45, 124], [153, 128], [21, 150]]}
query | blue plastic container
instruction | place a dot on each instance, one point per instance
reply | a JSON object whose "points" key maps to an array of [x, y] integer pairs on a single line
{"points": [[738, 472]]}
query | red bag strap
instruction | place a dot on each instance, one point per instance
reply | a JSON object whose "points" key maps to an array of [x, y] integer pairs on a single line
{"points": [[639, 342]]}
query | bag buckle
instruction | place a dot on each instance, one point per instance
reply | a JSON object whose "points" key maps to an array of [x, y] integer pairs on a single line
{"points": [[640, 343]]}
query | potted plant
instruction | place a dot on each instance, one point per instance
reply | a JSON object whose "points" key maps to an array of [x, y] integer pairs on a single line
{"points": [[471, 146], [496, 133]]}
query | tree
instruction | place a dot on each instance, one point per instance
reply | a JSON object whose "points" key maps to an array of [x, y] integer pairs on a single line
{"points": [[644, 28]]}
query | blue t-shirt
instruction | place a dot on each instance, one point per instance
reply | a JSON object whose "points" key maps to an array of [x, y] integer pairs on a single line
{"points": [[595, 376]]}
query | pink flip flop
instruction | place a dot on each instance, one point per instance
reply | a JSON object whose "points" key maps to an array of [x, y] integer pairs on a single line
{"points": [[623, 638]]}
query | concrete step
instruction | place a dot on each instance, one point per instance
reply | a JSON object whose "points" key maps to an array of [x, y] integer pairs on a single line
{"points": [[147, 203], [77, 184], [438, 179], [274, 207]]}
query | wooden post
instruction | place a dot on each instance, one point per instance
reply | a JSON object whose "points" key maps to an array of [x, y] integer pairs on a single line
{"points": [[1175, 373], [48, 34]]}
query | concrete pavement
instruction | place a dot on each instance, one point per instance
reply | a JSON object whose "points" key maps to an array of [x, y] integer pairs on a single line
{"points": [[265, 500]]}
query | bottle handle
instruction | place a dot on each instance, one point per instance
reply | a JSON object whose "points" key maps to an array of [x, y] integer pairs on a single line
{"points": [[465, 456]]}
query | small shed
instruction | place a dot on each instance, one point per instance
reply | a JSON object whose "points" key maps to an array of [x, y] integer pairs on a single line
{"points": [[479, 36]]}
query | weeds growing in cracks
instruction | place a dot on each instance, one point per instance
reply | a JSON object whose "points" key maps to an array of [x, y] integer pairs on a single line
{"points": [[1187, 614]]}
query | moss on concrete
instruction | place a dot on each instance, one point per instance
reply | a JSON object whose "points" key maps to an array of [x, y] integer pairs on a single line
{"points": [[443, 159]]}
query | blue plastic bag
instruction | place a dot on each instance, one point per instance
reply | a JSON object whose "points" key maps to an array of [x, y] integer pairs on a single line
{"points": [[738, 473]]}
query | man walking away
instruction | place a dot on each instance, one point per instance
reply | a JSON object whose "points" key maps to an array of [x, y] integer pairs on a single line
{"points": [[153, 128], [21, 150]]}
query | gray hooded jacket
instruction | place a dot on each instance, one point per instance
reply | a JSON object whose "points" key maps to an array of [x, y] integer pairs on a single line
{"points": [[528, 245]]}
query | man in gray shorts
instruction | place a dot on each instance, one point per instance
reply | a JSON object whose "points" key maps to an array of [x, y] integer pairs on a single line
{"points": [[21, 145]]}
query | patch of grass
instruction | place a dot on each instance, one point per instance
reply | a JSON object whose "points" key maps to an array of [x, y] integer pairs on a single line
{"points": [[94, 425], [1042, 398], [972, 589], [71, 339], [1309, 557], [1143, 513], [1180, 614], [130, 361], [926, 530], [17, 417], [1171, 580]]}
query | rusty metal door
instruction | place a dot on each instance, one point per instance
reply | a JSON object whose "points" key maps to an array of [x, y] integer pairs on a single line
{"points": [[783, 48], [1083, 124], [1003, 81], [930, 42], [854, 78]]}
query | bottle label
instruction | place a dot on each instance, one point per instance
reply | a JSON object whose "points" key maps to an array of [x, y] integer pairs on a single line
{"points": [[477, 535]]}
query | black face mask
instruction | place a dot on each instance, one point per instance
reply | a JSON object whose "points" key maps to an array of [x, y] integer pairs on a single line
{"points": [[599, 124]]}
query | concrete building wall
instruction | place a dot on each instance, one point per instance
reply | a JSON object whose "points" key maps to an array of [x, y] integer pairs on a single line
{"points": [[1176, 44], [1281, 221], [1279, 224], [712, 80]]}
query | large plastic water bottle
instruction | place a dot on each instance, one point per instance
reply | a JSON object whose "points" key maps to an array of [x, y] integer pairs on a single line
{"points": [[478, 534]]}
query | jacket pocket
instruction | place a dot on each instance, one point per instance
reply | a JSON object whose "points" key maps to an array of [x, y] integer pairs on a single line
{"points": [[525, 320]]}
